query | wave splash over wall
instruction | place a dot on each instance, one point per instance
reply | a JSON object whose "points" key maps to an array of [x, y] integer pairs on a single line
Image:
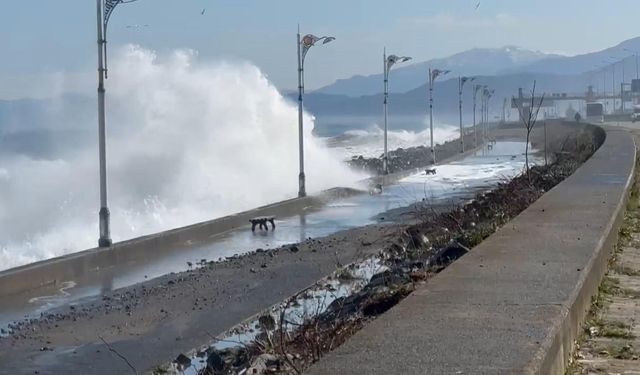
{"points": [[187, 142]]}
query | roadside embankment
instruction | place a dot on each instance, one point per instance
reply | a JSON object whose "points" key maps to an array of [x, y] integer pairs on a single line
{"points": [[515, 303]]}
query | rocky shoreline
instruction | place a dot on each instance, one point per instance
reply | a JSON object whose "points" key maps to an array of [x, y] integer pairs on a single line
{"points": [[411, 158]]}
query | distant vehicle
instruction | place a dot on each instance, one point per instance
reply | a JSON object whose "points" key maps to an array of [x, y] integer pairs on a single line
{"points": [[595, 112], [635, 116]]}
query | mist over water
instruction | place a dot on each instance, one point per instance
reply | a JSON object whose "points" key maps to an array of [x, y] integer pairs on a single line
{"points": [[187, 142]]}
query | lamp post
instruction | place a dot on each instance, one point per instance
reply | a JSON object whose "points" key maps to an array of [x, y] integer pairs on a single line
{"points": [[304, 45], [104, 10], [461, 82], [388, 61], [433, 75], [487, 95], [476, 88]]}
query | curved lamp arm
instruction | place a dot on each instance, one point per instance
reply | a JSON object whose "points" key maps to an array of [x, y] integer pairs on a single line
{"points": [[309, 41]]}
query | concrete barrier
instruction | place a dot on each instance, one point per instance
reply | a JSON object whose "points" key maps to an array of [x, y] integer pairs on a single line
{"points": [[515, 303], [80, 265], [83, 266]]}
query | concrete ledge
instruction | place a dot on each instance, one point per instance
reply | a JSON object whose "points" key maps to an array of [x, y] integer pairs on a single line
{"points": [[516, 302], [77, 266], [80, 266]]}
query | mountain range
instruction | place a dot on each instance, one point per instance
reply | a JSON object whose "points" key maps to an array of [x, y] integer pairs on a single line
{"points": [[508, 61], [477, 61], [502, 69]]}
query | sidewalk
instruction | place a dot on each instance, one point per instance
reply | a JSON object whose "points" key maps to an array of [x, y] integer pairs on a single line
{"points": [[610, 342], [514, 304]]}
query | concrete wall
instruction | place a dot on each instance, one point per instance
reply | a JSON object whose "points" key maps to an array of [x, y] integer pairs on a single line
{"points": [[78, 265], [515, 303]]}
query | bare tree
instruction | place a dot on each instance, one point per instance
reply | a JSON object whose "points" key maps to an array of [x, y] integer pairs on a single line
{"points": [[529, 119]]}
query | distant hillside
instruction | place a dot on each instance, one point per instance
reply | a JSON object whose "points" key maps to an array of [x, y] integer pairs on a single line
{"points": [[414, 102], [586, 62], [487, 62], [479, 61]]}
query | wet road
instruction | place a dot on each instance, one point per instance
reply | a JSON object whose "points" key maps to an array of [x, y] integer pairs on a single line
{"points": [[453, 182]]}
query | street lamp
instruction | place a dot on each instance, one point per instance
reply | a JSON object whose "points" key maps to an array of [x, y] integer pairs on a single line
{"points": [[487, 94], [388, 61], [304, 45], [104, 10], [476, 88], [461, 82], [433, 75]]}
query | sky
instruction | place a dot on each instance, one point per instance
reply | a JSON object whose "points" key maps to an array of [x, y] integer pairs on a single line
{"points": [[47, 38]]}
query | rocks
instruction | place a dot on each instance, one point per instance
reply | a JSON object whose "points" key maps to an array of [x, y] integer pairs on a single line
{"points": [[294, 248], [182, 361], [389, 279], [264, 364], [267, 322], [445, 256], [404, 159], [215, 363]]}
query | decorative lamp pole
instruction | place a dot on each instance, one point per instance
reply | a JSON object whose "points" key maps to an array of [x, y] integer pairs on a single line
{"points": [[433, 75], [304, 44], [388, 61], [476, 88], [461, 82], [487, 94], [104, 10]]}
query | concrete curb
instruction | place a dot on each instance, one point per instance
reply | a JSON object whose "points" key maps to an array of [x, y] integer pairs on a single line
{"points": [[516, 302], [553, 356], [76, 265]]}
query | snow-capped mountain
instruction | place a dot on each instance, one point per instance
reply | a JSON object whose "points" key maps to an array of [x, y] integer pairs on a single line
{"points": [[477, 61]]}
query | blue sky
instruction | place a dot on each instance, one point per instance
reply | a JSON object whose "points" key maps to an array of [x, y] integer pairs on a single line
{"points": [[40, 37]]}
